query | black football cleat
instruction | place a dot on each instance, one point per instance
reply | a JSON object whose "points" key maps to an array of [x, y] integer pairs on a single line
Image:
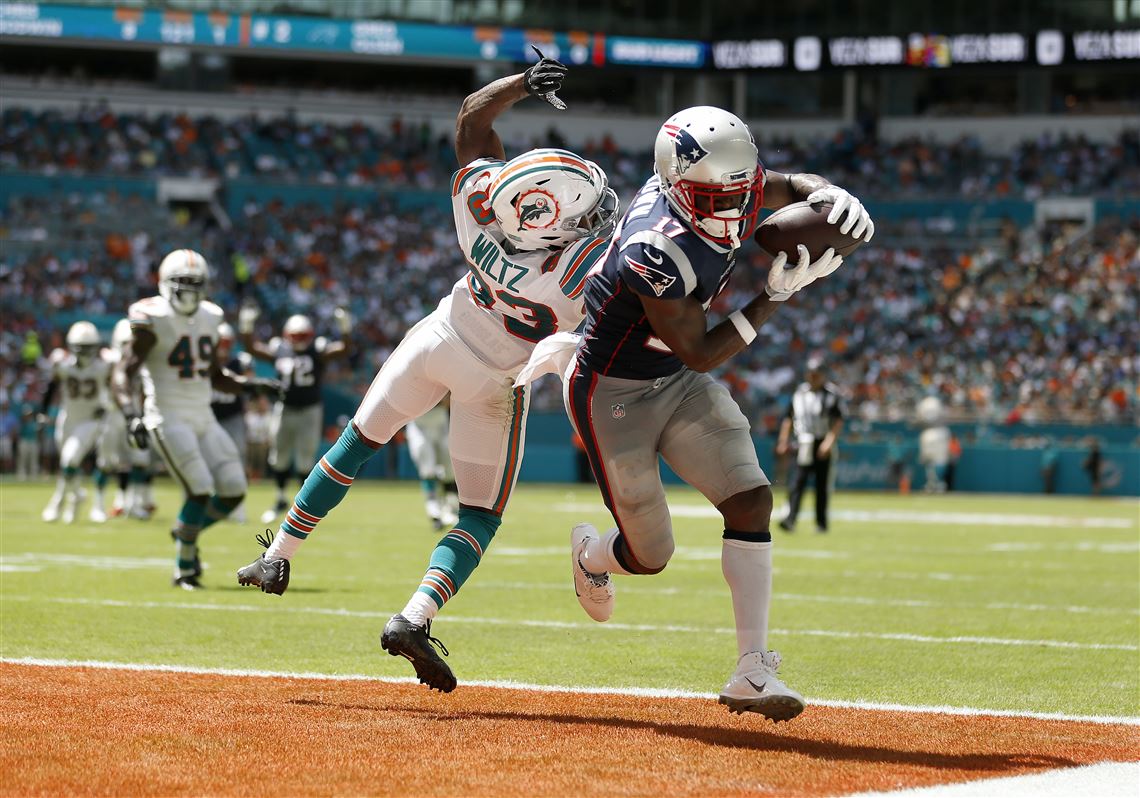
{"points": [[414, 643], [270, 574], [187, 582]]}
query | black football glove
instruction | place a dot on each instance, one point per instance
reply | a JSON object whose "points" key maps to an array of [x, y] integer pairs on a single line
{"points": [[261, 386], [544, 79], [138, 436]]}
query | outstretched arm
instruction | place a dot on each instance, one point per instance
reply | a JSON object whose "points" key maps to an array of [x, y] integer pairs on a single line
{"points": [[683, 326], [474, 135]]}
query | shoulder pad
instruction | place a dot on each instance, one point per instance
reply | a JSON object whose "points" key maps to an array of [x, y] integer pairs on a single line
{"points": [[212, 310], [142, 313], [57, 356], [576, 261], [470, 172], [652, 264]]}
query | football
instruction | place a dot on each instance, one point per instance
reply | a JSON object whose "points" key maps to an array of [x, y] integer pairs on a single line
{"points": [[801, 223]]}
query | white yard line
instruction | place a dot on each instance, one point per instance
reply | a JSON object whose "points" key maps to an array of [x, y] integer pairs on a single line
{"points": [[863, 601], [1104, 780], [642, 692], [614, 627], [904, 517]]}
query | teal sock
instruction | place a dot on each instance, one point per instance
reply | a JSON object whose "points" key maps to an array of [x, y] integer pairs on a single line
{"points": [[186, 531], [328, 482], [138, 474], [100, 477], [458, 554], [218, 508]]}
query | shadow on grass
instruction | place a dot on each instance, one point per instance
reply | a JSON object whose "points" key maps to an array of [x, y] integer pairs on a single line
{"points": [[748, 739]]}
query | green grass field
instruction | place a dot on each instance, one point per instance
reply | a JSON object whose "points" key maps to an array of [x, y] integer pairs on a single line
{"points": [[1013, 603]]}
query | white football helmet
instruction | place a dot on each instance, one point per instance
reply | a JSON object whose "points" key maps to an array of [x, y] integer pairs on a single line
{"points": [[298, 331], [548, 198], [182, 279], [83, 340], [121, 335], [706, 160], [226, 337]]}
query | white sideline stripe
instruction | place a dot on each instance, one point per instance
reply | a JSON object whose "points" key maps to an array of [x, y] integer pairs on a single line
{"points": [[616, 627], [1104, 780], [904, 517], [507, 684]]}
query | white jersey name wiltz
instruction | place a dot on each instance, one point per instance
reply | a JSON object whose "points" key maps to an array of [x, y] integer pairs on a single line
{"points": [[83, 387], [508, 302], [176, 372]]}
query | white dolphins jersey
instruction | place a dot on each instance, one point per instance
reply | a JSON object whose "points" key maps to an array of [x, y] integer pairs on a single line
{"points": [[176, 372], [508, 302], [83, 387]]}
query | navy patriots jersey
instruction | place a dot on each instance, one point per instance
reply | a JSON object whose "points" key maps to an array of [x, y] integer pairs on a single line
{"points": [[653, 254], [300, 372]]}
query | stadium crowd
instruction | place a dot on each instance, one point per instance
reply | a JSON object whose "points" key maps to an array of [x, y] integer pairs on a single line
{"points": [[1037, 324], [96, 140], [1044, 327]]}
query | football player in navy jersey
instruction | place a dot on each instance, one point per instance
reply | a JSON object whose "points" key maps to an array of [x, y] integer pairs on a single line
{"points": [[639, 387]]}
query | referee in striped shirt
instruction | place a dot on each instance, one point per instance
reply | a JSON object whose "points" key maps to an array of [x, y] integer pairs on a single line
{"points": [[815, 418]]}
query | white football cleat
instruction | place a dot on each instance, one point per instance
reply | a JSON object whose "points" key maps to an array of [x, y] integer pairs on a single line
{"points": [[50, 514], [755, 687], [97, 515], [595, 591]]}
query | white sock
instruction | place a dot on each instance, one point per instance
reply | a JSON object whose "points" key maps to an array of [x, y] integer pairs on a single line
{"points": [[747, 567], [284, 546], [420, 609], [57, 497], [598, 555]]}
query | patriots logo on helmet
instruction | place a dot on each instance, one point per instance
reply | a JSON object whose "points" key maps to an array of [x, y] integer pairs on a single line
{"points": [[688, 149], [657, 279], [533, 206]]}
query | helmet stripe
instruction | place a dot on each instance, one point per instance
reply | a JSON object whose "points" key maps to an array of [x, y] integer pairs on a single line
{"points": [[537, 168], [554, 158]]}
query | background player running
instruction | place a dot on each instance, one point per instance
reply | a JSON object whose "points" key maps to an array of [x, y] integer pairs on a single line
{"points": [[174, 348], [300, 358]]}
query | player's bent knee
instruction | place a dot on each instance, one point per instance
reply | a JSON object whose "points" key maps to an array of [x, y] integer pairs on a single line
{"points": [[749, 510]]}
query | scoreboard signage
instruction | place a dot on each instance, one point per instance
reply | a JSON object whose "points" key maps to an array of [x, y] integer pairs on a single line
{"points": [[382, 38], [468, 44]]}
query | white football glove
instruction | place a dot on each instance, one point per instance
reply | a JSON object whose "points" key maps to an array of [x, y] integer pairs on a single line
{"points": [[784, 281], [343, 320], [858, 221], [247, 317]]}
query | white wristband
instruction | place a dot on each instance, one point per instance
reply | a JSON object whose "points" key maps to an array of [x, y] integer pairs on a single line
{"points": [[746, 330]]}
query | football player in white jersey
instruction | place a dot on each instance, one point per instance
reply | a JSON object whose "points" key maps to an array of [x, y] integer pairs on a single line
{"points": [[529, 230], [427, 445], [116, 455], [80, 375], [173, 347]]}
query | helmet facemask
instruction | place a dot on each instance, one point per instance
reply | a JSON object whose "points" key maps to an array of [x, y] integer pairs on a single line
{"points": [[184, 292], [722, 213], [84, 353]]}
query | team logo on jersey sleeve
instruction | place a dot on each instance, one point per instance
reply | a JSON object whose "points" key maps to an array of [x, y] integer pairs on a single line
{"points": [[537, 210], [688, 149], [658, 280]]}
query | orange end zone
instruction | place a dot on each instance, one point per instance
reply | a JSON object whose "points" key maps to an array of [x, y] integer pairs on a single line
{"points": [[82, 731]]}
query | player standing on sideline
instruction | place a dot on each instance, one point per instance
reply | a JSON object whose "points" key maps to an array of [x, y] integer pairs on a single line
{"points": [[131, 465], [298, 416], [427, 445], [638, 387], [173, 347], [530, 230], [82, 373], [229, 408]]}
